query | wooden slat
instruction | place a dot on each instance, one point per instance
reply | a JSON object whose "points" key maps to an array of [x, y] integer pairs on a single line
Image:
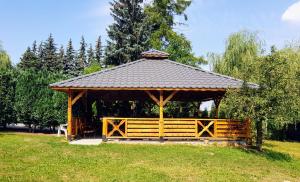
{"points": [[142, 126], [179, 134], [142, 122], [142, 134], [179, 126], [228, 126], [184, 130], [180, 122], [142, 130]]}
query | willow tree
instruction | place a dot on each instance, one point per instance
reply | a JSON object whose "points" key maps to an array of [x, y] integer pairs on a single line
{"points": [[240, 59], [7, 87], [276, 102]]}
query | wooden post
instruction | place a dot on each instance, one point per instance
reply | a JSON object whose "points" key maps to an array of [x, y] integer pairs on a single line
{"points": [[217, 103], [161, 115], [104, 129], [70, 124]]}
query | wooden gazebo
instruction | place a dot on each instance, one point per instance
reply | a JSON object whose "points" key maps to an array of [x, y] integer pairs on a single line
{"points": [[155, 78]]}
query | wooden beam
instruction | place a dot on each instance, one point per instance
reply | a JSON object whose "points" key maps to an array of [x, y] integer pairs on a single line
{"points": [[153, 97], [78, 97], [169, 97], [70, 125], [161, 115]]}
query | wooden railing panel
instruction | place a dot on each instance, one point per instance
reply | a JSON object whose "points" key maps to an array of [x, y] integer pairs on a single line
{"points": [[174, 128]]}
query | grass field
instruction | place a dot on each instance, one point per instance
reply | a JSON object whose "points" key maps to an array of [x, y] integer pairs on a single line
{"points": [[29, 157]]}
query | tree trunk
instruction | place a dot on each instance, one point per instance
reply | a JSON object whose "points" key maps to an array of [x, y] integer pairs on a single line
{"points": [[259, 134]]}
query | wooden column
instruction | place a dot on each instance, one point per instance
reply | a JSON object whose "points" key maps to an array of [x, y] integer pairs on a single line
{"points": [[104, 129], [217, 103], [161, 115], [70, 124], [161, 103]]}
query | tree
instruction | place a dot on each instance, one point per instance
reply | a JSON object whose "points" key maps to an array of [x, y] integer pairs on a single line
{"points": [[82, 61], [7, 87], [160, 18], [70, 62], [90, 55], [36, 104], [128, 34], [276, 102], [29, 60], [4, 59], [241, 56], [98, 50], [50, 55], [34, 48], [61, 58]]}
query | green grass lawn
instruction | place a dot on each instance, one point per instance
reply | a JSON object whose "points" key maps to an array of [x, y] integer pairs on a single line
{"points": [[29, 157]]}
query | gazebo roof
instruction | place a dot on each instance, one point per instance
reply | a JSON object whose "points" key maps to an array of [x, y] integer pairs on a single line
{"points": [[151, 73]]}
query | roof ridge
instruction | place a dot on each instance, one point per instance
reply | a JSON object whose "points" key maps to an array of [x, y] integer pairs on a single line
{"points": [[98, 72], [205, 71]]}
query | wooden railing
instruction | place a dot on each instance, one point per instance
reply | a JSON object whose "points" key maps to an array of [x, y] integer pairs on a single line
{"points": [[174, 128]]}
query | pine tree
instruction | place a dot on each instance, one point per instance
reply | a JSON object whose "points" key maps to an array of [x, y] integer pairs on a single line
{"points": [[40, 55], [90, 55], [34, 47], [61, 57], [69, 61], [128, 35], [82, 54], [28, 60], [98, 50], [50, 61]]}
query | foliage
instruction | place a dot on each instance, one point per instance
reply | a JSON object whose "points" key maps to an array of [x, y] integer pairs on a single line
{"points": [[94, 67], [5, 62], [7, 87], [36, 104], [241, 56], [128, 35], [82, 61], [160, 17], [276, 103], [98, 51], [70, 64]]}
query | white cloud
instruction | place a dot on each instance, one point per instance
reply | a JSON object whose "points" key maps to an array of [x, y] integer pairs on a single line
{"points": [[292, 14]]}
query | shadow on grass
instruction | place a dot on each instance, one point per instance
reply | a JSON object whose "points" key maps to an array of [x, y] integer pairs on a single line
{"points": [[270, 154], [269, 145]]}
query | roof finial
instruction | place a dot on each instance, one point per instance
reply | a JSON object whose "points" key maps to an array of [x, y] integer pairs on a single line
{"points": [[155, 54]]}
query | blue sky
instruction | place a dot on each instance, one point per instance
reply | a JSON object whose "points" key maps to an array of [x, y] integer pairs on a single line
{"points": [[210, 22]]}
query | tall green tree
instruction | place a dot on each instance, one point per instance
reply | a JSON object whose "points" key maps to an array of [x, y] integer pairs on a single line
{"points": [[241, 55], [128, 35], [70, 63], [7, 87], [50, 55], [98, 50], [82, 60], [61, 58], [37, 105], [160, 18], [29, 60]]}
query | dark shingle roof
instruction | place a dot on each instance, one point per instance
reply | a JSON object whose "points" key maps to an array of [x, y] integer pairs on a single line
{"points": [[152, 73]]}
